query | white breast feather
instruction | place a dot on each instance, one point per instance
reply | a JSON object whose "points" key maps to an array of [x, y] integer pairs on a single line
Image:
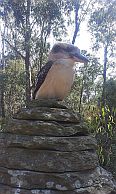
{"points": [[58, 82]]}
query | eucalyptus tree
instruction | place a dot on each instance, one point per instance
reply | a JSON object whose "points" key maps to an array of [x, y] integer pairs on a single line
{"points": [[2, 63], [102, 27], [84, 92], [76, 11], [29, 24]]}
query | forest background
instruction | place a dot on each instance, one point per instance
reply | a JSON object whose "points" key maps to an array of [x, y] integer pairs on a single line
{"points": [[28, 29]]}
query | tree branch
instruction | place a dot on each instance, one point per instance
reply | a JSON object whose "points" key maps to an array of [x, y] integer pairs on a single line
{"points": [[14, 48]]}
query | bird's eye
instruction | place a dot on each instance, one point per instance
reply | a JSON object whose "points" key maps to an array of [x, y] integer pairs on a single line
{"points": [[56, 49]]}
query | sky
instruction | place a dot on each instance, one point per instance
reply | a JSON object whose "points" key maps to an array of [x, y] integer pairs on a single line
{"points": [[83, 40]]}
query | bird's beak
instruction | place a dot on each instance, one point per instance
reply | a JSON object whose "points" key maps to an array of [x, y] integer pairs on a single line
{"points": [[80, 58]]}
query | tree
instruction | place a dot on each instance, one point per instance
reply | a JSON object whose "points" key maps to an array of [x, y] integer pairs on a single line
{"points": [[101, 25], [29, 24], [81, 9], [84, 94], [111, 94], [2, 69]]}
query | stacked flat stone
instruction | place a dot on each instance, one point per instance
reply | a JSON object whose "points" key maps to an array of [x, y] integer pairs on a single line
{"points": [[113, 156], [46, 149]]}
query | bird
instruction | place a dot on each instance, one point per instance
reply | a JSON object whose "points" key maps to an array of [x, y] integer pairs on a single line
{"points": [[56, 77]]}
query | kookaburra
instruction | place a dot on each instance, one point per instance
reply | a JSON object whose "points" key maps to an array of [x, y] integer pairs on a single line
{"points": [[55, 79]]}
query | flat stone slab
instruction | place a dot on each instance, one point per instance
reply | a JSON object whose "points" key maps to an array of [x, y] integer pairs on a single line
{"points": [[10, 190], [63, 144], [36, 180], [50, 103], [48, 114], [55, 181], [47, 161], [44, 128], [89, 190]]}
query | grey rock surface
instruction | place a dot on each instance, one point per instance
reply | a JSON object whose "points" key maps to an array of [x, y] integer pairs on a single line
{"points": [[44, 128], [61, 144], [46, 160], [46, 149], [48, 114]]}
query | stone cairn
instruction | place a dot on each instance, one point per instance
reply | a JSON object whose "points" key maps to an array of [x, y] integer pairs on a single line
{"points": [[46, 149]]}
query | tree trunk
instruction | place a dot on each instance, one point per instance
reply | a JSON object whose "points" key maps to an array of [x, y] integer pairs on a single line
{"points": [[27, 51], [103, 103], [2, 111], [2, 103], [76, 21], [2, 108], [81, 95], [104, 78]]}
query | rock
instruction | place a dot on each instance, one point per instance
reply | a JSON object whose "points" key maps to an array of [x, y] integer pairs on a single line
{"points": [[64, 144], [9, 190], [44, 128], [47, 149], [47, 161], [48, 103], [51, 114], [113, 155], [88, 190], [113, 160], [56, 181]]}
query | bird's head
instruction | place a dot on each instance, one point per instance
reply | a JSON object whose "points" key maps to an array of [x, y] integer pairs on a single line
{"points": [[67, 51]]}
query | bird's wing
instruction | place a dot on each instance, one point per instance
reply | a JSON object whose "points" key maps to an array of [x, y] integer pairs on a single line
{"points": [[41, 76]]}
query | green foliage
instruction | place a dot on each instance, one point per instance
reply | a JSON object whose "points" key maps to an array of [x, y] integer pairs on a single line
{"points": [[84, 93], [102, 28], [105, 130], [14, 87], [111, 93], [103, 122], [49, 19], [72, 99], [102, 24]]}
